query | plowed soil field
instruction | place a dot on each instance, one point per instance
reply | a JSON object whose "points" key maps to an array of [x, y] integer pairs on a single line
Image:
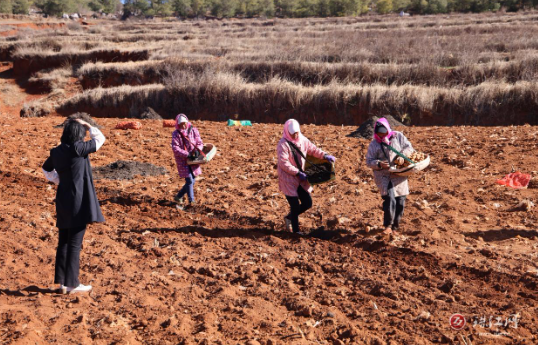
{"points": [[224, 272]]}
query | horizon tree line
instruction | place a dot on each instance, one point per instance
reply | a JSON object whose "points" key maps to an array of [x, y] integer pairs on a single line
{"points": [[265, 8]]}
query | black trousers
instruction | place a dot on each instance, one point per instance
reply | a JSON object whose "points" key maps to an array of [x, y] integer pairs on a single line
{"points": [[393, 207], [68, 256], [298, 205]]}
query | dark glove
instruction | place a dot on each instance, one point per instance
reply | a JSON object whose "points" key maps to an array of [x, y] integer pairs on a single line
{"points": [[302, 176], [329, 158], [194, 154]]}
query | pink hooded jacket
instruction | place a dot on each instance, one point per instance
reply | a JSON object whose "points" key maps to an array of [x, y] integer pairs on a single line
{"points": [[383, 121], [288, 181], [181, 148]]}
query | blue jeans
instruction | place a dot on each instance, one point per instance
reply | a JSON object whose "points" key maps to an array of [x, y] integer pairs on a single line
{"points": [[188, 188]]}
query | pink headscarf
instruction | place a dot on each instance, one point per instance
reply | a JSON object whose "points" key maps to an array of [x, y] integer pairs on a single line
{"points": [[382, 121], [177, 122], [286, 132]]}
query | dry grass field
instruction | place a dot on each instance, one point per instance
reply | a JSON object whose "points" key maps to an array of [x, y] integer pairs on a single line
{"points": [[452, 69], [224, 272]]}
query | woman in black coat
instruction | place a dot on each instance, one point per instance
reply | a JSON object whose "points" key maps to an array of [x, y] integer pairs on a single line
{"points": [[76, 202]]}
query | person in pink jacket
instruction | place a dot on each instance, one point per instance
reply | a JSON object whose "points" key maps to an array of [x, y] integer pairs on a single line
{"points": [[185, 140], [292, 180]]}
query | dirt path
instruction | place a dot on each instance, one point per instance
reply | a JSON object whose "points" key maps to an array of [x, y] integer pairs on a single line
{"points": [[13, 96], [13, 27]]}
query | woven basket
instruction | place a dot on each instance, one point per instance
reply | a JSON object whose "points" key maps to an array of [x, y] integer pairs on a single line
{"points": [[209, 150], [411, 169]]}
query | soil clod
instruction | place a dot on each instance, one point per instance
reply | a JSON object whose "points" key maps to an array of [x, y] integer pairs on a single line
{"points": [[127, 170], [366, 129], [149, 114]]}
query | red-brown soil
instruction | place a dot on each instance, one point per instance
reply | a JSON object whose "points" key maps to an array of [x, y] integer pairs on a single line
{"points": [[34, 26], [225, 273]]}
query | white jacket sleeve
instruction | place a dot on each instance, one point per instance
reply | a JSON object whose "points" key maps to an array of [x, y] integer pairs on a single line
{"points": [[99, 138], [371, 156], [52, 176], [406, 146]]}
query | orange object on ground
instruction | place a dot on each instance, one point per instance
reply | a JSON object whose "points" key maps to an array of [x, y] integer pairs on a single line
{"points": [[129, 125], [169, 123], [515, 180]]}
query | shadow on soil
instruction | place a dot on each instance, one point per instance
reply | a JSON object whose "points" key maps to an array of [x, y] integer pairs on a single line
{"points": [[495, 235], [371, 241], [24, 83], [28, 291]]}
